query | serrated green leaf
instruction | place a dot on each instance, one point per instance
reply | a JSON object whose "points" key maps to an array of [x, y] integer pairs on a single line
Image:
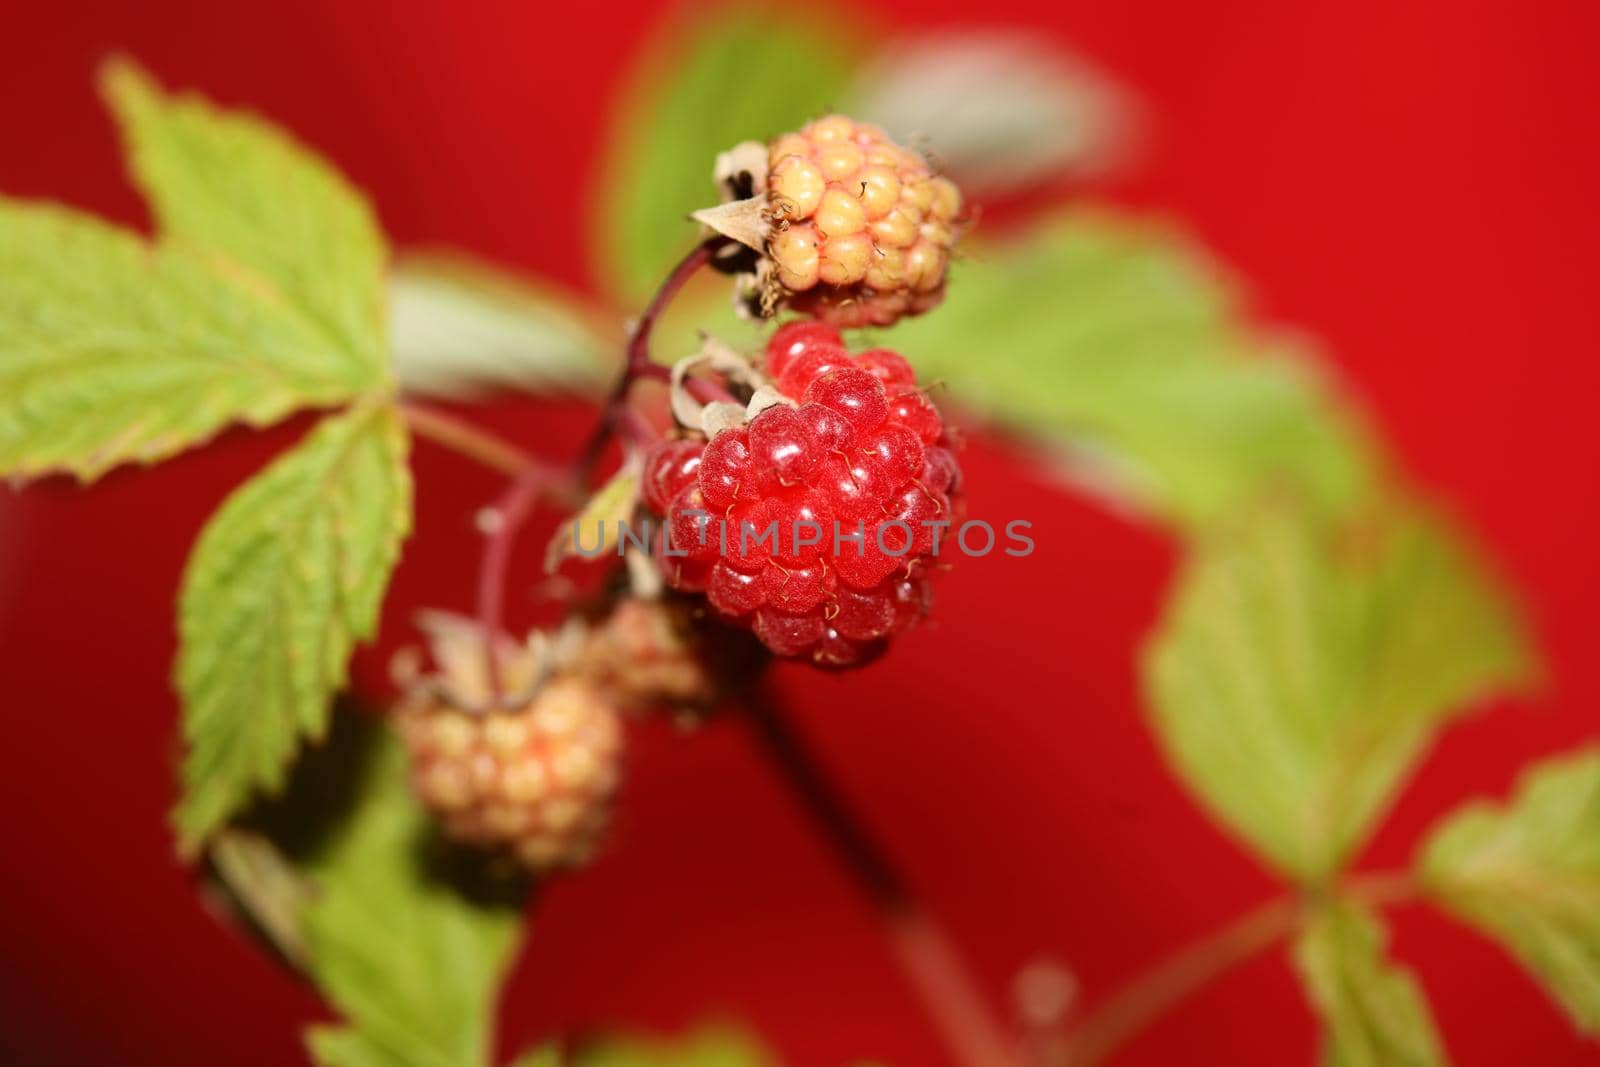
{"points": [[285, 578], [709, 1046], [1527, 873], [247, 195], [461, 329], [1302, 668], [1119, 345], [1374, 1013], [728, 74], [412, 961], [113, 351]]}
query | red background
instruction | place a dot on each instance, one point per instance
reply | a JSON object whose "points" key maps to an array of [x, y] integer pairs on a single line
{"points": [[1410, 181]]}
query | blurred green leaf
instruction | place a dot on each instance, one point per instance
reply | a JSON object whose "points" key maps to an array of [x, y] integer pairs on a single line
{"points": [[266, 887], [1302, 668], [999, 110], [724, 75], [545, 1057], [1527, 874], [709, 1046], [245, 194], [286, 577], [113, 351], [461, 329], [1374, 1013], [1121, 345], [412, 960]]}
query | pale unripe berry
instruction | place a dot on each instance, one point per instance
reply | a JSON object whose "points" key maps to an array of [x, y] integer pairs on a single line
{"points": [[863, 228], [532, 777]]}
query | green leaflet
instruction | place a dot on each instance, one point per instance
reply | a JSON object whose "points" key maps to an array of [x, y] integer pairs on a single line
{"points": [[461, 329], [410, 958], [245, 194], [1374, 1013], [262, 296], [727, 75], [114, 351], [1527, 873], [1121, 346], [1302, 668], [286, 577]]}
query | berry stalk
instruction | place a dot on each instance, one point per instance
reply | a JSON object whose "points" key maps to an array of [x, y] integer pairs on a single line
{"points": [[506, 518], [637, 363], [922, 949], [531, 477]]}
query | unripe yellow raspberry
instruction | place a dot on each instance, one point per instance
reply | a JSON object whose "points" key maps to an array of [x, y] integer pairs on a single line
{"points": [[532, 778], [862, 228]]}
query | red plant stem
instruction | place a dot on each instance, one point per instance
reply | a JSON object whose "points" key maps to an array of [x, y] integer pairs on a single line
{"points": [[924, 952], [508, 515], [531, 477], [637, 363]]}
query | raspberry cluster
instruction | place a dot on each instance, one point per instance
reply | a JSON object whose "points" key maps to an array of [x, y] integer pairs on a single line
{"points": [[816, 523], [534, 780], [864, 228]]}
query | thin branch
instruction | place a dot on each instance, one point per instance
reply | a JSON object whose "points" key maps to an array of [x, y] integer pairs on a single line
{"points": [[637, 363], [506, 518], [925, 953], [530, 477], [1158, 990], [465, 438]]}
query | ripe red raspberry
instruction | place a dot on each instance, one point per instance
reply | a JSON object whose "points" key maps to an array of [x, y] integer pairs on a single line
{"points": [[534, 780], [862, 227], [816, 524]]}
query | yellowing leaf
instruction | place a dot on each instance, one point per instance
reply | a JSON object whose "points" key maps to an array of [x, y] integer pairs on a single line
{"points": [[245, 194], [266, 887], [286, 577], [1373, 1012], [541, 1057], [113, 351], [461, 329], [1301, 670], [722, 76], [410, 958], [1123, 349], [595, 531], [709, 1046], [1527, 873]]}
